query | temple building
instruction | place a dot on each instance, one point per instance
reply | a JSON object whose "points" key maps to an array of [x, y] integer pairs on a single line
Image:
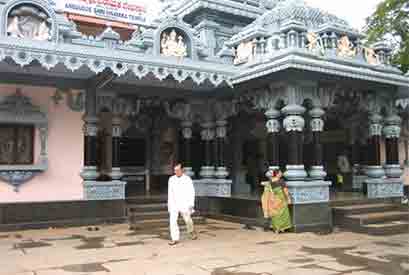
{"points": [[96, 108]]}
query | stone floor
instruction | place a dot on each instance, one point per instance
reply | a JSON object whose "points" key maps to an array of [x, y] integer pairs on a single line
{"points": [[222, 249]]}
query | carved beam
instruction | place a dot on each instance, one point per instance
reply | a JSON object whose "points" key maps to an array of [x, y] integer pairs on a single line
{"points": [[102, 79]]}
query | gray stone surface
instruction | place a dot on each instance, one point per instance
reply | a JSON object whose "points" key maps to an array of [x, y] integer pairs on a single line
{"points": [[222, 249], [104, 190]]}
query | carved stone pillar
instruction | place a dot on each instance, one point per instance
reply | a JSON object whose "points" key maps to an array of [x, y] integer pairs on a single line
{"points": [[187, 141], [116, 139], [221, 170], [273, 129], [375, 169], [377, 186], [317, 126], [207, 134], [392, 131], [90, 171], [294, 125]]}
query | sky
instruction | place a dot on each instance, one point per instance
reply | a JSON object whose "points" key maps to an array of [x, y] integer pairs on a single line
{"points": [[353, 11]]}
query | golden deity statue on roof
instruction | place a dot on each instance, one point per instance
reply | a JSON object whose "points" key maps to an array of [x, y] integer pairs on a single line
{"points": [[371, 57], [244, 52], [314, 42], [345, 47]]}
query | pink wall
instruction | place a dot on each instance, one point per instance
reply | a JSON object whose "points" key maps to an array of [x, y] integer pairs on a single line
{"points": [[65, 152]]}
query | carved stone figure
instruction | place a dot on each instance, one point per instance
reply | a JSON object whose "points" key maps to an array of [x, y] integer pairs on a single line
{"points": [[371, 57], [28, 22], [314, 42], [345, 47], [181, 48], [163, 45], [13, 28], [172, 46], [244, 52], [43, 32]]}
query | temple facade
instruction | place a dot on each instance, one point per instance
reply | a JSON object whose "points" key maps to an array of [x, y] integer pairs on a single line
{"points": [[232, 89]]}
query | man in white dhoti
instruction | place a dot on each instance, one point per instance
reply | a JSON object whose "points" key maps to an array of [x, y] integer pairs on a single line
{"points": [[181, 200]]}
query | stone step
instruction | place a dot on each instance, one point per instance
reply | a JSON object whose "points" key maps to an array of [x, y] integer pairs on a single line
{"points": [[162, 223], [365, 208], [149, 215], [379, 217], [361, 201], [387, 228], [146, 200], [149, 207], [237, 219]]}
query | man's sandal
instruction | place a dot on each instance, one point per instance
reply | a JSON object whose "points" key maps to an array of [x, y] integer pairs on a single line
{"points": [[173, 242]]}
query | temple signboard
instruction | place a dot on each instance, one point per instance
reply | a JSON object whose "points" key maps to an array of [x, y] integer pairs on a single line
{"points": [[126, 11]]}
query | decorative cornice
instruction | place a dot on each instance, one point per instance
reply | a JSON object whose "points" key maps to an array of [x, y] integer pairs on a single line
{"points": [[302, 60], [120, 62]]}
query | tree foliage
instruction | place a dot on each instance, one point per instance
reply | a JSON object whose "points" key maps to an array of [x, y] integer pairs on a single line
{"points": [[390, 21]]}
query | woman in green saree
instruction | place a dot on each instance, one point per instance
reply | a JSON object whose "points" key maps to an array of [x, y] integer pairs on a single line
{"points": [[275, 200]]}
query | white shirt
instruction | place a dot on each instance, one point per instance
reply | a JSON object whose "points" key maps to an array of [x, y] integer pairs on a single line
{"points": [[181, 194]]}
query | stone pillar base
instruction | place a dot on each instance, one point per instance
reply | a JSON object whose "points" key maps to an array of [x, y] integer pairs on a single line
{"points": [[310, 210], [295, 173], [212, 187], [374, 172], [116, 173], [221, 172], [104, 190], [207, 172], [189, 171], [358, 181], [393, 170], [317, 173], [89, 173], [303, 192], [384, 188]]}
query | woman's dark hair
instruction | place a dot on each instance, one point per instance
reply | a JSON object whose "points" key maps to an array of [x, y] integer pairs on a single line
{"points": [[275, 172]]}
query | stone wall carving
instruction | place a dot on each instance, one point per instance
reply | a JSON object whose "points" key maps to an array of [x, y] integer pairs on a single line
{"points": [[315, 43], [174, 37], [179, 110], [384, 188], [113, 190], [345, 47], [244, 52], [173, 44], [18, 109], [213, 187], [30, 22], [370, 56], [309, 192]]}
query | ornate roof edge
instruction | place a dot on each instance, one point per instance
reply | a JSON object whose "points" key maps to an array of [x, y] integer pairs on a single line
{"points": [[247, 36], [293, 59], [231, 7], [74, 57], [334, 27]]}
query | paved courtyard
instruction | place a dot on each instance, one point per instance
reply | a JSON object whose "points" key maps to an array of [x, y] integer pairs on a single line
{"points": [[222, 249]]}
